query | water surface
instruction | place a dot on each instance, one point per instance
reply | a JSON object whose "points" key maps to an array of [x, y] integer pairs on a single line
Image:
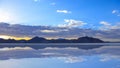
{"points": [[55, 57]]}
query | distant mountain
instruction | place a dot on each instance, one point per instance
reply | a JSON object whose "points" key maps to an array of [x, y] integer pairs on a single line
{"points": [[37, 39], [87, 39]]}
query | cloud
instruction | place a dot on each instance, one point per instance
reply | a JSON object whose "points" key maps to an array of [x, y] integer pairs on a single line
{"points": [[105, 23], [72, 23], [49, 31], [116, 12], [105, 26], [53, 3], [108, 26], [67, 30], [63, 11]]}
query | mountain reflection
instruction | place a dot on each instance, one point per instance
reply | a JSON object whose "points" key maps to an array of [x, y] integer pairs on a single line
{"points": [[72, 53]]}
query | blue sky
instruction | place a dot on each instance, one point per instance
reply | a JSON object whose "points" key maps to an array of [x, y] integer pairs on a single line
{"points": [[61, 18], [52, 12]]}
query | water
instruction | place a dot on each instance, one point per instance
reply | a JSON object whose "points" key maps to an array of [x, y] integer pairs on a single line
{"points": [[55, 57]]}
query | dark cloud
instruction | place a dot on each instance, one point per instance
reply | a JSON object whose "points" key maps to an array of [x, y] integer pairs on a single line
{"points": [[57, 32]]}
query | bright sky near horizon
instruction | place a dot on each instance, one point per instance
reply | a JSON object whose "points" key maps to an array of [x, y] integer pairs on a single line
{"points": [[56, 12]]}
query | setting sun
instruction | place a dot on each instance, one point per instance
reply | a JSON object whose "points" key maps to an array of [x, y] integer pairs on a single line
{"points": [[4, 16]]}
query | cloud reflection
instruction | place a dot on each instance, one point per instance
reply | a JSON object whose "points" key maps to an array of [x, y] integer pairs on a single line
{"points": [[70, 55], [72, 59]]}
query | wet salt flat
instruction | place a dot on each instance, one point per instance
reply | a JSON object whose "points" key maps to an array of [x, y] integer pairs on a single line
{"points": [[59, 44], [55, 57]]}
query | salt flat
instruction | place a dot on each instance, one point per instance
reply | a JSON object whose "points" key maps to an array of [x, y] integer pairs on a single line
{"points": [[59, 44]]}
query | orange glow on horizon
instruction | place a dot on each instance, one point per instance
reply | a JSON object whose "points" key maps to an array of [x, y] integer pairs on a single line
{"points": [[13, 37]]}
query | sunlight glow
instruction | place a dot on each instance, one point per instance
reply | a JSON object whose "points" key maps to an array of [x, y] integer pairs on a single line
{"points": [[4, 37], [13, 37], [6, 16]]}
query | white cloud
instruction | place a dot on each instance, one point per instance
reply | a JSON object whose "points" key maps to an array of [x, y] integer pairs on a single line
{"points": [[108, 26], [49, 31], [63, 11], [116, 12], [53, 3], [105, 23], [72, 23]]}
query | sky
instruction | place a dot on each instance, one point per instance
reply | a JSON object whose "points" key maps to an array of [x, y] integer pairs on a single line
{"points": [[82, 14], [54, 12]]}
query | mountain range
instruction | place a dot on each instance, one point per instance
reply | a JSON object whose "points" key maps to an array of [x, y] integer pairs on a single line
{"points": [[37, 39]]}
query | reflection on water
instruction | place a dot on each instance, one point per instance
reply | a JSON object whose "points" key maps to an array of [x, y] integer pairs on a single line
{"points": [[69, 57]]}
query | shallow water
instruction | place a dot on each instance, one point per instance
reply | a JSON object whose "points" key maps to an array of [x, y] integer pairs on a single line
{"points": [[55, 57]]}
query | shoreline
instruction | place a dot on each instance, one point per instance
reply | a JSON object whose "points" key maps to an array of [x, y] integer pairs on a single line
{"points": [[59, 44]]}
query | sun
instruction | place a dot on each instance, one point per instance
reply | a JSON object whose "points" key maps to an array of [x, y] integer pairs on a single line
{"points": [[6, 16]]}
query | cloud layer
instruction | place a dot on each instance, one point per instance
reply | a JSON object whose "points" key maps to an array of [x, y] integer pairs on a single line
{"points": [[111, 34], [108, 26]]}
